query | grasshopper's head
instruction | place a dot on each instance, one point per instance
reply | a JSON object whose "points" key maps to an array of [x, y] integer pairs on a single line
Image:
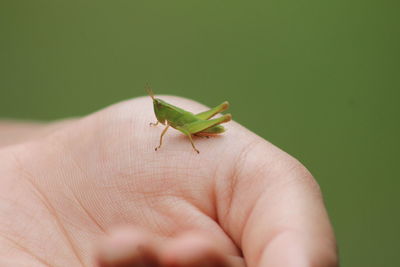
{"points": [[160, 109], [159, 106]]}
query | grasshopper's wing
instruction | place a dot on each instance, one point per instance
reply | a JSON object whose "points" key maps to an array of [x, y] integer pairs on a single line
{"points": [[201, 125], [212, 112]]}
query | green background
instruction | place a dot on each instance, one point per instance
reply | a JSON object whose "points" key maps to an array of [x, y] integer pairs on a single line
{"points": [[318, 78]]}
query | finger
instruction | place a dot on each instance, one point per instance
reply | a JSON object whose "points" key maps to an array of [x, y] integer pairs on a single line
{"points": [[196, 249], [127, 246], [276, 213]]}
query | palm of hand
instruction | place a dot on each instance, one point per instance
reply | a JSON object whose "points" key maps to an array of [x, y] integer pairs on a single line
{"points": [[234, 199]]}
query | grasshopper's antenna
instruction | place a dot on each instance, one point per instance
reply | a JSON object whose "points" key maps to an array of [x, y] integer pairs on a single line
{"points": [[149, 91]]}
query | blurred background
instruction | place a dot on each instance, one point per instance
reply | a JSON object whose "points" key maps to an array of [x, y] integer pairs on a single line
{"points": [[318, 78]]}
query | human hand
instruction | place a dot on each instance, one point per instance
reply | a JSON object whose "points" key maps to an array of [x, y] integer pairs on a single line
{"points": [[93, 191]]}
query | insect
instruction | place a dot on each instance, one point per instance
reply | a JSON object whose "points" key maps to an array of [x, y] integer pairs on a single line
{"points": [[188, 123]]}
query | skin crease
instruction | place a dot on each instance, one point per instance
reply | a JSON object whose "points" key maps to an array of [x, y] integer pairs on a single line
{"points": [[93, 192]]}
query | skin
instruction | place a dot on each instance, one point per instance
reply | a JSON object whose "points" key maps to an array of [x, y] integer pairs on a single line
{"points": [[93, 192]]}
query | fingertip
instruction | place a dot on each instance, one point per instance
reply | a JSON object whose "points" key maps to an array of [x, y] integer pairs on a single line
{"points": [[295, 249], [192, 249], [126, 246]]}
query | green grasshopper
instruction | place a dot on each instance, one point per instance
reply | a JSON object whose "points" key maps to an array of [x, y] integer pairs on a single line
{"points": [[187, 122]]}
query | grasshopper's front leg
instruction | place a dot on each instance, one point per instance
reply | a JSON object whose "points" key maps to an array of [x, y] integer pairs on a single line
{"points": [[154, 124], [162, 134]]}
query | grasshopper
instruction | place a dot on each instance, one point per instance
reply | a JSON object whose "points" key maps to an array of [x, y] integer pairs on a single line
{"points": [[187, 122]]}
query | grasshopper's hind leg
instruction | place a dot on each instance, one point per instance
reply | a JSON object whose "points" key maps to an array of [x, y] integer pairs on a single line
{"points": [[201, 125], [202, 136], [212, 112], [162, 134], [191, 141], [188, 134]]}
